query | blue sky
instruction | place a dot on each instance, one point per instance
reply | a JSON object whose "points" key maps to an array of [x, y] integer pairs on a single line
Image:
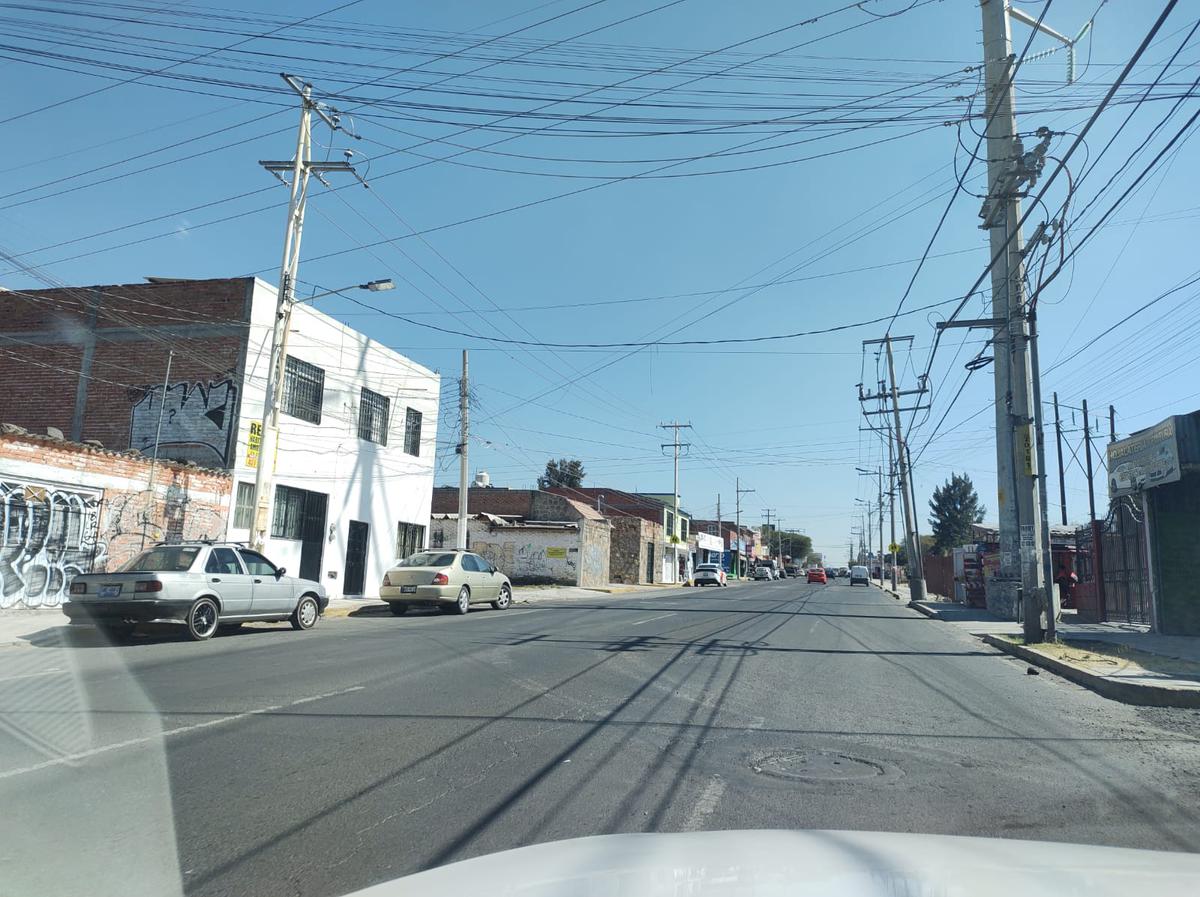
{"points": [[840, 232]]}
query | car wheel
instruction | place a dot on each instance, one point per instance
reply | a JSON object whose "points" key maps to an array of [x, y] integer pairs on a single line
{"points": [[504, 601], [202, 619], [397, 608], [306, 614], [462, 604]]}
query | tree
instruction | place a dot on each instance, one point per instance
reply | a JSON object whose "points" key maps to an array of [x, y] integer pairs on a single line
{"points": [[563, 472], [954, 507], [795, 545]]}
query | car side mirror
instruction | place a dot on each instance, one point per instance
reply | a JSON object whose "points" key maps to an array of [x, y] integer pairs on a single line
{"points": [[280, 571]]}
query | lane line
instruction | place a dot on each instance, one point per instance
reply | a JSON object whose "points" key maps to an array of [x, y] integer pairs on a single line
{"points": [[53, 672], [706, 805], [652, 619], [181, 730]]}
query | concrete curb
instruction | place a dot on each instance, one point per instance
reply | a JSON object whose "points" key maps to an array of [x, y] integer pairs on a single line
{"points": [[922, 609], [1125, 692]]}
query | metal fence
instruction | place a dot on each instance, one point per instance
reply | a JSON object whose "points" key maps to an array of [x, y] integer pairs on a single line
{"points": [[1126, 572]]}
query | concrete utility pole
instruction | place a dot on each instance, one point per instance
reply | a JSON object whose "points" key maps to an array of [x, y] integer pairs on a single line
{"points": [[1087, 450], [1062, 481], [302, 168], [676, 445], [737, 485], [1021, 505], [916, 586], [768, 512], [464, 468]]}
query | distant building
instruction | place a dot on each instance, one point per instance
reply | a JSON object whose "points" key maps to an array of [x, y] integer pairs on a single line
{"points": [[531, 536]]}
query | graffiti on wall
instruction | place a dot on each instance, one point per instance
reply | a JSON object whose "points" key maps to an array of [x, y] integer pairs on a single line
{"points": [[48, 535], [197, 422], [132, 519]]}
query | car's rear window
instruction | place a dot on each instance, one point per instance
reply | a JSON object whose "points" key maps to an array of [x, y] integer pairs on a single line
{"points": [[428, 559], [163, 559], [707, 567]]}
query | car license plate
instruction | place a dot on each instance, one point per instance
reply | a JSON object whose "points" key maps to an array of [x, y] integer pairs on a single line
{"points": [[407, 590], [109, 591]]}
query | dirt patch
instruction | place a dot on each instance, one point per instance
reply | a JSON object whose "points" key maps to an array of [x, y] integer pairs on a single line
{"points": [[1108, 659]]}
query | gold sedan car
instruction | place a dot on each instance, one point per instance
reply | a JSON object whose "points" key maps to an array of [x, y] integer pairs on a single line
{"points": [[449, 580]]}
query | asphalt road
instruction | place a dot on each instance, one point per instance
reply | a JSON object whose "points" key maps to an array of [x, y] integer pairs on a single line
{"points": [[275, 762]]}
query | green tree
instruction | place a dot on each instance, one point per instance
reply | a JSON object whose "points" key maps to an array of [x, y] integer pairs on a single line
{"points": [[563, 472], [795, 545], [953, 508]]}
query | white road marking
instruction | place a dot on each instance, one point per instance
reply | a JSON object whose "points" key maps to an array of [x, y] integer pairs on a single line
{"points": [[53, 672], [220, 721], [706, 805], [652, 619]]}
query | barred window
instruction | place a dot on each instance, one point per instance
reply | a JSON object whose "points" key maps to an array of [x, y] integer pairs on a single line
{"points": [[412, 432], [410, 538], [303, 390], [288, 520], [243, 509], [373, 414]]}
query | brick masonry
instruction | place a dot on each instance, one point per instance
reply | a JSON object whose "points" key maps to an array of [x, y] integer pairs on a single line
{"points": [[630, 545], [95, 353], [67, 508]]}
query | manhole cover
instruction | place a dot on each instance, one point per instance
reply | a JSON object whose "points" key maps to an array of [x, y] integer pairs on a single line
{"points": [[816, 765]]}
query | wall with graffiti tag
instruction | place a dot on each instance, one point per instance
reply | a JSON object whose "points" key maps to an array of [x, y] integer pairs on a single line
{"points": [[67, 508]]}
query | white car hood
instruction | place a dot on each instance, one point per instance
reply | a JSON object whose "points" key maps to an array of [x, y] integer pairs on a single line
{"points": [[807, 863]]}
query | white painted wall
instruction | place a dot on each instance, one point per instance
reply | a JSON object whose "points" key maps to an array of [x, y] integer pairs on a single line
{"points": [[379, 485]]}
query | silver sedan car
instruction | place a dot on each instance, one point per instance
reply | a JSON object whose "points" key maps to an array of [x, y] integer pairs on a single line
{"points": [[446, 579], [201, 585]]}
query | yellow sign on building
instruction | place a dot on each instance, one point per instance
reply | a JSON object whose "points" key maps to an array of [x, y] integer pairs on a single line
{"points": [[556, 551], [253, 444]]}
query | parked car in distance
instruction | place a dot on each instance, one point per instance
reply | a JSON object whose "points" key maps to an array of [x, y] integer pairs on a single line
{"points": [[763, 573], [830, 573], [201, 585], [709, 575], [793, 570], [816, 574], [843, 572], [448, 579], [858, 573]]}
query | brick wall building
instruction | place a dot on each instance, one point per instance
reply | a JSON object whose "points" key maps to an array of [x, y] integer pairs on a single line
{"points": [[179, 367], [68, 508], [638, 547]]}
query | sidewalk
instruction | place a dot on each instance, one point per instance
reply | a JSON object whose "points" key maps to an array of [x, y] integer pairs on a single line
{"points": [[1122, 661]]}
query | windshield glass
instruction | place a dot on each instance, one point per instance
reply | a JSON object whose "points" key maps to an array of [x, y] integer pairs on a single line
{"points": [[427, 559], [440, 522], [163, 559]]}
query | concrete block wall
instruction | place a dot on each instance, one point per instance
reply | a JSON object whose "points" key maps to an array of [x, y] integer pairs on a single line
{"points": [[67, 508]]}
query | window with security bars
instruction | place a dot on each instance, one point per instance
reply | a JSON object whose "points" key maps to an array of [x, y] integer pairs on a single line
{"points": [[288, 520], [410, 538], [243, 508], [412, 432], [373, 412], [303, 390]]}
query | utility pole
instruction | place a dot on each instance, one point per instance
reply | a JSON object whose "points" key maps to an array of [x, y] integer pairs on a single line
{"points": [[676, 445], [464, 469], [1062, 482], [720, 522], [1112, 424], [917, 584], [1087, 450], [767, 537], [737, 485], [302, 168], [1023, 534]]}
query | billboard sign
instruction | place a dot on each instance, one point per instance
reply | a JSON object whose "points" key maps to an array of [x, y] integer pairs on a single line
{"points": [[1144, 460]]}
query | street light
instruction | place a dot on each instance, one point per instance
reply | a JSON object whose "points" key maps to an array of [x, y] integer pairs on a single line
{"points": [[374, 286]]}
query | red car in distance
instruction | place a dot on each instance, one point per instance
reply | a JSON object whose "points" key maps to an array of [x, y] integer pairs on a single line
{"points": [[816, 574]]}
